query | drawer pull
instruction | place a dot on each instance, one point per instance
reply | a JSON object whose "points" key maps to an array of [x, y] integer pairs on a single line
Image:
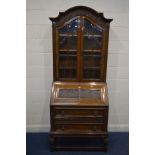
{"points": [[62, 128], [62, 112], [95, 113], [94, 128]]}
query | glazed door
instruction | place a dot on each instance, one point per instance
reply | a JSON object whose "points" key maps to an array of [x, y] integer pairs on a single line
{"points": [[80, 51], [91, 51], [68, 50]]}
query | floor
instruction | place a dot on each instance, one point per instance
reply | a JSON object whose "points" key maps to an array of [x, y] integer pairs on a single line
{"points": [[37, 144]]}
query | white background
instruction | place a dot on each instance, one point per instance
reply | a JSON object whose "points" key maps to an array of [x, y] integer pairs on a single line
{"points": [[40, 66], [13, 77]]}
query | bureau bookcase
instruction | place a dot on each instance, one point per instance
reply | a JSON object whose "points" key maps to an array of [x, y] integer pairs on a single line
{"points": [[79, 98]]}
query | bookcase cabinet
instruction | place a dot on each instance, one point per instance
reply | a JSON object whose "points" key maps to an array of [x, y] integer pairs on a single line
{"points": [[79, 98]]}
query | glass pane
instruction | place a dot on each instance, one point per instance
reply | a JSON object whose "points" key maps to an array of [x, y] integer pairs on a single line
{"points": [[91, 29], [92, 36], [70, 27], [91, 65], [68, 52], [68, 35], [91, 73], [72, 42], [91, 61], [68, 64], [68, 61], [67, 42], [67, 73], [92, 48], [92, 43], [63, 42]]}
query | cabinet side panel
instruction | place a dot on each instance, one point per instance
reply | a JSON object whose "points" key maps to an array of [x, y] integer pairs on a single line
{"points": [[54, 52], [105, 53]]}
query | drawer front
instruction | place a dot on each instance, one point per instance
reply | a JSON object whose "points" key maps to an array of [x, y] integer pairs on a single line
{"points": [[80, 127], [80, 112], [79, 120]]}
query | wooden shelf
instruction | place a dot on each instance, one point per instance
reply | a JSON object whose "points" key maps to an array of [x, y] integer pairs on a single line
{"points": [[75, 35], [92, 35], [67, 67], [91, 55], [67, 50], [67, 35], [92, 50], [67, 55], [89, 68]]}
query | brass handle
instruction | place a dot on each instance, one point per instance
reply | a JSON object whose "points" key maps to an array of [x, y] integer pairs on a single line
{"points": [[62, 112], [94, 128], [95, 113], [62, 128]]}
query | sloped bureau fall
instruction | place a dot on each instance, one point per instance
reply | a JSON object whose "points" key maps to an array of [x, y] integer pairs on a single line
{"points": [[79, 97]]}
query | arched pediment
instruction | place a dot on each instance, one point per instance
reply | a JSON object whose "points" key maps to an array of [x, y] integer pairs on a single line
{"points": [[80, 11]]}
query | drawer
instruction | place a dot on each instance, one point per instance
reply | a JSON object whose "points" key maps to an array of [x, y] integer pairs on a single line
{"points": [[77, 119], [80, 112], [80, 127]]}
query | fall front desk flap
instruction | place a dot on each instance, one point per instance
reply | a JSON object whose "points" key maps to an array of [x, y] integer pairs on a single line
{"points": [[79, 93]]}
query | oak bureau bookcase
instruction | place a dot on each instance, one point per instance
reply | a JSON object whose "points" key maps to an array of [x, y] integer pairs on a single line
{"points": [[79, 98]]}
